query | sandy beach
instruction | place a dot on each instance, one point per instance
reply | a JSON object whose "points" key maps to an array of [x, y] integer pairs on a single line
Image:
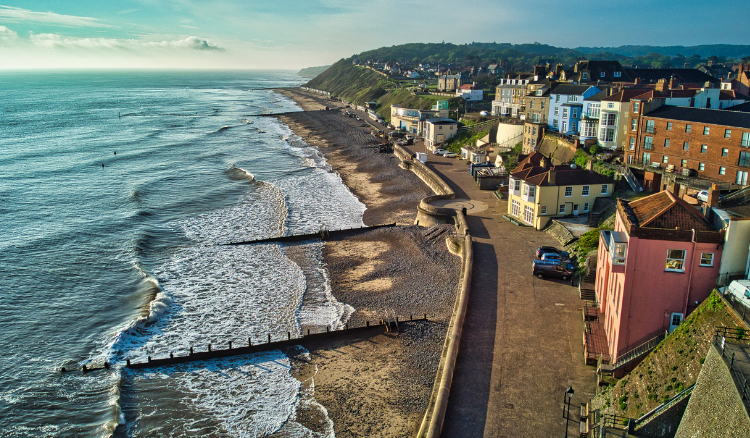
{"points": [[378, 386]]}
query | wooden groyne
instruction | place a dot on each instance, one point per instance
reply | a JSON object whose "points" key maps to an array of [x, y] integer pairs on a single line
{"points": [[322, 234], [234, 348]]}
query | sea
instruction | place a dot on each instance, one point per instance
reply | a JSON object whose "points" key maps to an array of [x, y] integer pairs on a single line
{"points": [[118, 191]]}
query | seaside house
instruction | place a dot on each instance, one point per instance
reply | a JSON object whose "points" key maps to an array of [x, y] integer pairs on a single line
{"points": [[438, 131], [509, 97], [539, 192], [708, 143], [656, 266], [470, 92], [413, 120], [566, 106]]}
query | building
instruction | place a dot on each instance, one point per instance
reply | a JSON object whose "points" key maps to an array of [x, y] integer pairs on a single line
{"points": [[659, 263], [535, 116], [566, 106], [539, 192], [439, 130], [594, 72], [450, 82], [470, 92], [708, 143], [413, 120], [509, 97]]}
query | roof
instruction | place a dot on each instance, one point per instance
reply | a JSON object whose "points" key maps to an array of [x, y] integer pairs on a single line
{"points": [[570, 89], [743, 107], [681, 74], [625, 95], [725, 117], [599, 96], [664, 210], [563, 176], [466, 87], [441, 121]]}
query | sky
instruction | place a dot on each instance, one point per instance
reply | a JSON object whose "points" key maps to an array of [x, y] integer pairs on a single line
{"points": [[291, 34]]}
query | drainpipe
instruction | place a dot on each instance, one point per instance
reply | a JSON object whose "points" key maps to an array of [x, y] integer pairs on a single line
{"points": [[690, 280]]}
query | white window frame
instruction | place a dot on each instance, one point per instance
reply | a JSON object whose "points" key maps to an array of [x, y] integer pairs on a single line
{"points": [[585, 190], [515, 208], [722, 170], [543, 209], [561, 210], [707, 259], [568, 191], [585, 207], [701, 166], [677, 263], [605, 189]]}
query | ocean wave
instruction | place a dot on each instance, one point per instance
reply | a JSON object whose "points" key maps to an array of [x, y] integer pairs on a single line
{"points": [[236, 173]]}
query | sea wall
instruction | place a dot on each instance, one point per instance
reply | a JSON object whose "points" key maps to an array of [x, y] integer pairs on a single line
{"points": [[428, 214]]}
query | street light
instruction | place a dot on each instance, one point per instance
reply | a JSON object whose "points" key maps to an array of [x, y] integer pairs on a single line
{"points": [[566, 400]]}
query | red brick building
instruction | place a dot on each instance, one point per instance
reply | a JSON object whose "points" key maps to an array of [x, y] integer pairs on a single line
{"points": [[706, 143]]}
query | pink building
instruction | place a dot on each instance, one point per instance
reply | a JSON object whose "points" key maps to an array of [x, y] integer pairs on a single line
{"points": [[659, 263]]}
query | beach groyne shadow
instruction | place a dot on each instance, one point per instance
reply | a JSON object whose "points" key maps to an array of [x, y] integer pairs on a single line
{"points": [[467, 410]]}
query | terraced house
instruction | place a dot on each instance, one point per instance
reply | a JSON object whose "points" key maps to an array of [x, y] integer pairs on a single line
{"points": [[539, 192], [708, 143]]}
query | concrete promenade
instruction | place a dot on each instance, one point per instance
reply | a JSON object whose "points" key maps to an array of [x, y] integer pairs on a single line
{"points": [[522, 340]]}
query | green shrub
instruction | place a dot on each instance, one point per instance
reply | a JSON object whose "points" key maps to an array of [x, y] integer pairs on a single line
{"points": [[595, 149]]}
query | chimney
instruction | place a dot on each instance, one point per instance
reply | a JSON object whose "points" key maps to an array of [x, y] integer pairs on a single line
{"points": [[637, 81], [672, 83], [713, 196], [589, 165], [661, 86], [551, 177]]}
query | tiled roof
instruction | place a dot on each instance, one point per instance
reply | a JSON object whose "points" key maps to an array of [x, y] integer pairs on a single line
{"points": [[466, 87], [625, 95], [665, 210], [575, 90], [725, 117], [563, 175], [681, 74]]}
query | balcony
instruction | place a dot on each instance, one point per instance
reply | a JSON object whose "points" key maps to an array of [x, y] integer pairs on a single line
{"points": [[616, 244]]}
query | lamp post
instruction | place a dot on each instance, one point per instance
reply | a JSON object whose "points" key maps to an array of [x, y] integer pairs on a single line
{"points": [[566, 401]]}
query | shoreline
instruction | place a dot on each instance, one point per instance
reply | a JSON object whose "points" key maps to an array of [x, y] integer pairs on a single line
{"points": [[377, 386]]}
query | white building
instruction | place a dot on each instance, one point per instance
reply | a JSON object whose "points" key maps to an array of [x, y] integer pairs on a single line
{"points": [[470, 92], [438, 130]]}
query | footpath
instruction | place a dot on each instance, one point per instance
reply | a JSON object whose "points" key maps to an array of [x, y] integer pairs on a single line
{"points": [[521, 345]]}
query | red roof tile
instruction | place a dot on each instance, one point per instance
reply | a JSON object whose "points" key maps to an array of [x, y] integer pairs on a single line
{"points": [[665, 210]]}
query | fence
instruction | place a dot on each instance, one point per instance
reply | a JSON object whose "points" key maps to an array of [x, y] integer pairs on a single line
{"points": [[739, 375], [739, 308]]}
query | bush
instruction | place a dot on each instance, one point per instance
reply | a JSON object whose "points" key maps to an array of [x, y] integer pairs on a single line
{"points": [[595, 149]]}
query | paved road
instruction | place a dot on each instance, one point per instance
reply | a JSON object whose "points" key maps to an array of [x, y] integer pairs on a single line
{"points": [[522, 341]]}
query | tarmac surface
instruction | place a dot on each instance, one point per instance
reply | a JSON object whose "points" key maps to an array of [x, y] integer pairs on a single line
{"points": [[522, 342]]}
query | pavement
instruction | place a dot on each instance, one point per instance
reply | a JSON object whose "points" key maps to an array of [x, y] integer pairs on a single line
{"points": [[522, 343]]}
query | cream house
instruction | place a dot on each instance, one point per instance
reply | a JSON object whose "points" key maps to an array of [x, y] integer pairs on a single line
{"points": [[438, 131], [538, 192]]}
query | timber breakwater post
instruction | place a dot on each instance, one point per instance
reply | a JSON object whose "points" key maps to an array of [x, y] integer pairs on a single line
{"points": [[323, 234], [427, 215], [211, 351]]}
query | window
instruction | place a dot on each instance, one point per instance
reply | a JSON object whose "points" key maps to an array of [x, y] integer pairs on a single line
{"points": [[525, 190], [707, 259], [518, 185], [650, 126], [636, 105], [704, 148], [573, 126], [722, 170], [557, 110], [585, 191], [666, 142], [669, 126], [542, 104], [557, 98], [609, 134], [602, 74], [725, 152], [683, 163], [543, 210], [744, 160], [646, 159], [534, 131], [609, 119], [745, 139], [586, 207], [515, 208], [575, 113], [585, 76], [617, 74], [572, 98], [605, 189], [741, 178], [528, 214], [727, 133], [610, 105], [562, 209], [665, 159], [554, 124], [648, 142], [676, 260], [565, 112], [686, 146], [631, 143], [701, 166], [688, 128], [633, 124], [706, 130], [531, 104], [568, 192]]}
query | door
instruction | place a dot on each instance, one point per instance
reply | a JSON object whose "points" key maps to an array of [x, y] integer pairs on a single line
{"points": [[674, 321], [575, 209]]}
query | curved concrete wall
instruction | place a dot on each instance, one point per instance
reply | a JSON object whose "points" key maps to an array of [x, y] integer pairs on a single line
{"points": [[428, 214]]}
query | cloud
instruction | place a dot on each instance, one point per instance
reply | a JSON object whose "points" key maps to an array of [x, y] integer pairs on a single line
{"points": [[7, 34], [14, 14], [59, 42]]}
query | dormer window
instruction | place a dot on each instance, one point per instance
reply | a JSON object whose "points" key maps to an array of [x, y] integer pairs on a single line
{"points": [[602, 74], [618, 74], [585, 76]]}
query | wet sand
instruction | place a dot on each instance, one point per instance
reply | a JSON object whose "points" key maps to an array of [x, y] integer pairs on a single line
{"points": [[379, 386]]}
